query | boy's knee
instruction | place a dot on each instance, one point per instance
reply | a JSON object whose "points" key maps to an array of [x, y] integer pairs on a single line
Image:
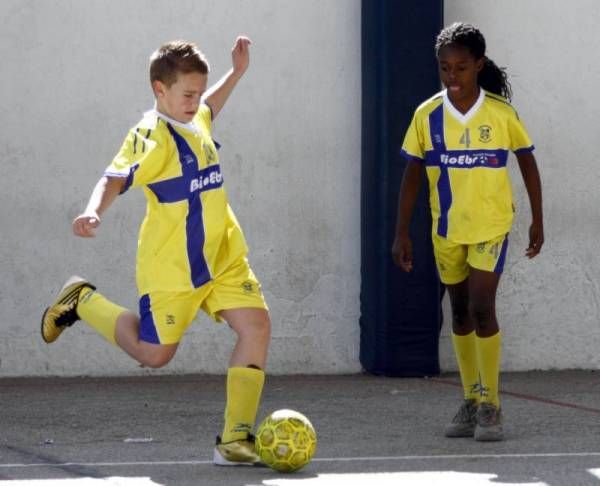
{"points": [[258, 328], [158, 359]]}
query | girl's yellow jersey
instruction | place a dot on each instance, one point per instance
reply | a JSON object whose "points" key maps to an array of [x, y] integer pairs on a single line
{"points": [[189, 234], [466, 163]]}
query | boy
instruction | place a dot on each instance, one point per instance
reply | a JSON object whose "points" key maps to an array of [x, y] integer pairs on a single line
{"points": [[191, 250]]}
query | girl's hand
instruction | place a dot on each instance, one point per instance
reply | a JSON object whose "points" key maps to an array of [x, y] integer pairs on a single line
{"points": [[402, 253], [85, 225], [240, 55], [536, 239]]}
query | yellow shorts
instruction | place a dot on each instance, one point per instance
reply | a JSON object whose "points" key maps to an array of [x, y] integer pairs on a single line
{"points": [[454, 259], [165, 316]]}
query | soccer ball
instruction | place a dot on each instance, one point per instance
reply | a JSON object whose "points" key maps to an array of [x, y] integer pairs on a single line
{"points": [[286, 440]]}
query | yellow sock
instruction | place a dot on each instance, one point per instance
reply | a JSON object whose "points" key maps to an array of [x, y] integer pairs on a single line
{"points": [[244, 387], [99, 312], [488, 360], [464, 349]]}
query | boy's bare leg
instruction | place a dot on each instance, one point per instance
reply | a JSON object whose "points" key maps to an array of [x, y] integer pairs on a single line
{"points": [[252, 326], [127, 333], [253, 329]]}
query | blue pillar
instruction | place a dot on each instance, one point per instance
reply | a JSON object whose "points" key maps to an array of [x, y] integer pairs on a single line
{"points": [[400, 313]]}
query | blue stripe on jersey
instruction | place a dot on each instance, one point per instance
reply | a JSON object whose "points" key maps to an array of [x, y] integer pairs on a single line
{"points": [[468, 159], [148, 331], [182, 188], [500, 264], [436, 131], [194, 225]]}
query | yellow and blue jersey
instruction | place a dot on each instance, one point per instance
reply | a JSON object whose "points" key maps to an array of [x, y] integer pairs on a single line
{"points": [[465, 157], [189, 234]]}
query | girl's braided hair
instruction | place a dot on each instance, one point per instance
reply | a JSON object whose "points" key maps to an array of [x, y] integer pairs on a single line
{"points": [[491, 77]]}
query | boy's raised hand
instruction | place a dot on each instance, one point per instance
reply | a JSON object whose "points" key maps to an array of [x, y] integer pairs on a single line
{"points": [[240, 54], [217, 95], [85, 225]]}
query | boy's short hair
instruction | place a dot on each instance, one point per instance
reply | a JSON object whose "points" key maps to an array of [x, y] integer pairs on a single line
{"points": [[176, 57]]}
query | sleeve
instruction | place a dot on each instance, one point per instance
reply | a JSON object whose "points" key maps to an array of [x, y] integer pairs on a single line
{"points": [[204, 117], [140, 159], [413, 147], [518, 136]]}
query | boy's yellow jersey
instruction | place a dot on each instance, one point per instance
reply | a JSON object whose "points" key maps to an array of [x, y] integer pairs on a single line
{"points": [[189, 234], [466, 162]]}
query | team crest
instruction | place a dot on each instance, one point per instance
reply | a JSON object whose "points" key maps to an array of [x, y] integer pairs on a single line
{"points": [[248, 287], [485, 133], [480, 247]]}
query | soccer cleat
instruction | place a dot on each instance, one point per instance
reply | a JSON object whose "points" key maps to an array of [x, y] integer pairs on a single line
{"points": [[236, 453], [489, 423], [62, 313], [464, 422]]}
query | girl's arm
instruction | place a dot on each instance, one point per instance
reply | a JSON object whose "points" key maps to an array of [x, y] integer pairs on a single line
{"points": [[409, 188], [533, 184]]}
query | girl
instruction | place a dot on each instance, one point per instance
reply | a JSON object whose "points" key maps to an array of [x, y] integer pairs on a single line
{"points": [[462, 137]]}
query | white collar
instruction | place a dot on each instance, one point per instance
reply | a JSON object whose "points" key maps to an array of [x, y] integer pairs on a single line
{"points": [[186, 126], [469, 114]]}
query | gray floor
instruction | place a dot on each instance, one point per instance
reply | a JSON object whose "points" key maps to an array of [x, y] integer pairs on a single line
{"points": [[372, 431]]}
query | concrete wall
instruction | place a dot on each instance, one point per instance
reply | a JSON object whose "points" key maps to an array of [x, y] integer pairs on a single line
{"points": [[549, 307], [74, 79]]}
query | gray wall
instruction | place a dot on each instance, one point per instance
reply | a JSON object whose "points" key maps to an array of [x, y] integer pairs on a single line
{"points": [[74, 79], [549, 307]]}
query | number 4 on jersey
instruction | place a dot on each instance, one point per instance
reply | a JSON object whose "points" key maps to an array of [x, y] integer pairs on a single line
{"points": [[466, 138]]}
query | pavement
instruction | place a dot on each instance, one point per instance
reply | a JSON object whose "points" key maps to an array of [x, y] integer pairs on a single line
{"points": [[372, 430]]}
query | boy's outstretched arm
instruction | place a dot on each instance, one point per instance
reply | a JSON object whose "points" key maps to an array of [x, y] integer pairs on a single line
{"points": [[216, 96], [104, 193], [531, 177], [409, 188]]}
